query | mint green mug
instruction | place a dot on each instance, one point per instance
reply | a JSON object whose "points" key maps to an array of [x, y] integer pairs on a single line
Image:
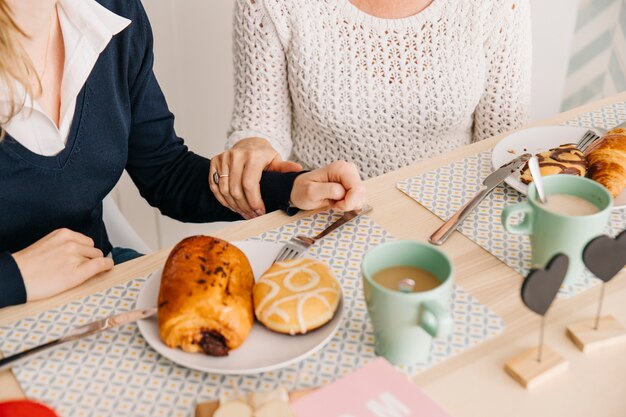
{"points": [[406, 323], [551, 233]]}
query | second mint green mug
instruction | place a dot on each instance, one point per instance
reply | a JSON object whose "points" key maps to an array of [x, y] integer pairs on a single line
{"points": [[406, 323], [551, 233]]}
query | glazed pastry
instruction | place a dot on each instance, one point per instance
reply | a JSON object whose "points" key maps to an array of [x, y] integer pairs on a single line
{"points": [[296, 296], [566, 159], [607, 161], [205, 300]]}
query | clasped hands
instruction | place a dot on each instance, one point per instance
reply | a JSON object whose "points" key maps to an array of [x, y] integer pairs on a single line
{"points": [[235, 177]]}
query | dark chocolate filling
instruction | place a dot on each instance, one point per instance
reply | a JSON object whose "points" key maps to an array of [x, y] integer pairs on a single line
{"points": [[213, 343], [564, 169], [566, 166], [557, 152]]}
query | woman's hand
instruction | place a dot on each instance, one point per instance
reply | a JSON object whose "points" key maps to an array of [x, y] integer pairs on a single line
{"points": [[337, 185], [244, 164], [59, 261]]}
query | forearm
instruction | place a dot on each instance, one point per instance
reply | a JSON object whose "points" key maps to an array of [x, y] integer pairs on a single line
{"points": [[183, 192]]}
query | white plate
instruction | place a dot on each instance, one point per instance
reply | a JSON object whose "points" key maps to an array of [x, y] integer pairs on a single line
{"points": [[262, 351], [534, 141]]}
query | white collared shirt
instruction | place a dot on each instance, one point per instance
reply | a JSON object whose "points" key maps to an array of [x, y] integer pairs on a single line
{"points": [[87, 29]]}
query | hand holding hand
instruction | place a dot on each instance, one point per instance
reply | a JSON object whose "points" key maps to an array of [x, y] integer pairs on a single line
{"points": [[244, 164], [337, 185], [59, 261]]}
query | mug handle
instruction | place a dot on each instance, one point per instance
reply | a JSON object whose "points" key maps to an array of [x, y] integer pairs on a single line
{"points": [[435, 320], [525, 226]]}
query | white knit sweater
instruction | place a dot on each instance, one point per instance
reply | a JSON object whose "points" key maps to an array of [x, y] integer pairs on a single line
{"points": [[322, 80]]}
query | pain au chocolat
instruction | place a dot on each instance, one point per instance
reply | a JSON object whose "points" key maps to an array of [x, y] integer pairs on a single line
{"points": [[205, 300], [566, 159]]}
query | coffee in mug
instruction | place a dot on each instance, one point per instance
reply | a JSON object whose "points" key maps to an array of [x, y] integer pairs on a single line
{"points": [[406, 279], [578, 211], [569, 205], [405, 321]]}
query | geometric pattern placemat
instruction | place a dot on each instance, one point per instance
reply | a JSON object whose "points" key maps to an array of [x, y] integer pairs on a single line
{"points": [[444, 191], [116, 373]]}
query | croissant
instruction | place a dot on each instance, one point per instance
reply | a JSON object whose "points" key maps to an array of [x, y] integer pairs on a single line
{"points": [[205, 299], [607, 161]]}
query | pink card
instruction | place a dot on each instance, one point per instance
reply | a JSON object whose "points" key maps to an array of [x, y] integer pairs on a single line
{"points": [[376, 390]]}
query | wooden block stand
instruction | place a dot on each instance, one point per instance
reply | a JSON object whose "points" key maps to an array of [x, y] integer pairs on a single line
{"points": [[208, 409], [586, 338], [528, 372]]}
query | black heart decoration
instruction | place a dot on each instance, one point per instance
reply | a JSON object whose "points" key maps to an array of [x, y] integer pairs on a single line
{"points": [[606, 257], [542, 285]]}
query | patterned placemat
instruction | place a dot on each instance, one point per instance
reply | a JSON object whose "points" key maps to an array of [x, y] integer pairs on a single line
{"points": [[445, 190], [116, 373]]}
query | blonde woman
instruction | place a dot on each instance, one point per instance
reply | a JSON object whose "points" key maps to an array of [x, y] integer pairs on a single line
{"points": [[380, 83], [15, 66], [79, 103]]}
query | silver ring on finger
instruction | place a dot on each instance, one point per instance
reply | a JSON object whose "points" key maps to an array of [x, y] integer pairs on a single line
{"points": [[217, 176]]}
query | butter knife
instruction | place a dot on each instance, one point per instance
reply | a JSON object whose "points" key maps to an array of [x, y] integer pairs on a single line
{"points": [[78, 333], [492, 181]]}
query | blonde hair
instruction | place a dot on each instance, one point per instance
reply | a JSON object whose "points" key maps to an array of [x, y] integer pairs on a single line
{"points": [[15, 64]]}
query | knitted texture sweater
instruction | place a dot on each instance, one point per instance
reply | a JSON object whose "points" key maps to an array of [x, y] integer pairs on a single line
{"points": [[322, 80]]}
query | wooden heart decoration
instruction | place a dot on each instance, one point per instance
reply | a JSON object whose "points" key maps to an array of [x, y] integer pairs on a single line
{"points": [[542, 285], [606, 257]]}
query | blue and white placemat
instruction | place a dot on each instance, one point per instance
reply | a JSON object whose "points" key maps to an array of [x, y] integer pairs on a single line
{"points": [[116, 373], [444, 191]]}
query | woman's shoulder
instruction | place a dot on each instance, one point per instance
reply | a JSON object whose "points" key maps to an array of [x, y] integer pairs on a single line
{"points": [[286, 5], [281, 13], [134, 43], [292, 8], [130, 9], [495, 9], [490, 15], [139, 29]]}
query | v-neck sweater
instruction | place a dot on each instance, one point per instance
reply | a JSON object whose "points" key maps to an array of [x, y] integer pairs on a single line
{"points": [[121, 122]]}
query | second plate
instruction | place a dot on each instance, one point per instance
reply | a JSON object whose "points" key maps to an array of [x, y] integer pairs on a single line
{"points": [[535, 140]]}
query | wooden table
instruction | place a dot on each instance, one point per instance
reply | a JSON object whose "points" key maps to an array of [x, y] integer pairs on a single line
{"points": [[473, 383]]}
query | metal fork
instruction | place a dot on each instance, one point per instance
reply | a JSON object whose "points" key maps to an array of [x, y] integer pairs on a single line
{"points": [[590, 136], [297, 245]]}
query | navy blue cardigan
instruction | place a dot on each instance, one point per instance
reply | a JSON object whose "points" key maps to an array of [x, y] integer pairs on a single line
{"points": [[121, 122]]}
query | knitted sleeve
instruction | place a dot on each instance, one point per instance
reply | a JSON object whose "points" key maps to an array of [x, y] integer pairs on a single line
{"points": [[262, 103], [505, 102]]}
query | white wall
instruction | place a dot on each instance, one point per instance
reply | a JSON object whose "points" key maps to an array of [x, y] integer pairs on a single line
{"points": [[553, 27], [194, 67], [193, 63]]}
